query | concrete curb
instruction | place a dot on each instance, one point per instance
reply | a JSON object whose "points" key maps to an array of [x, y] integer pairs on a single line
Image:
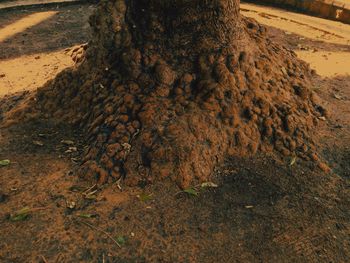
{"points": [[330, 9]]}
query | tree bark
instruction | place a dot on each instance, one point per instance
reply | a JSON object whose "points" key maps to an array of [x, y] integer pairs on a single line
{"points": [[169, 88], [206, 24]]}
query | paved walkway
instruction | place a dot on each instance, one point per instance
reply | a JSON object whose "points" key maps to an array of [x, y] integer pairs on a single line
{"points": [[18, 3], [344, 2], [301, 24], [338, 10], [326, 63]]}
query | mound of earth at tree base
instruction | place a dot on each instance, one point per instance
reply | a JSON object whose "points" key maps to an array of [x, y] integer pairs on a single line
{"points": [[169, 88]]}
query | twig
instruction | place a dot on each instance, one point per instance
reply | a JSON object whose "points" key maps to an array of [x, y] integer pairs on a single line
{"points": [[118, 184], [89, 193], [100, 230], [58, 258], [34, 209], [89, 189], [180, 192], [44, 259]]}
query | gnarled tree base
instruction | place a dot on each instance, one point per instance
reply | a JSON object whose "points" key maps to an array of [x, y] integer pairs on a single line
{"points": [[156, 105]]}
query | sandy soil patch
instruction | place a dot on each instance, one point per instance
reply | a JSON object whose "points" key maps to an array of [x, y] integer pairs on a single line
{"points": [[31, 72], [327, 64]]}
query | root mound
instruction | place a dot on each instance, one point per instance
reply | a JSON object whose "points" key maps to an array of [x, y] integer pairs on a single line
{"points": [[160, 96]]}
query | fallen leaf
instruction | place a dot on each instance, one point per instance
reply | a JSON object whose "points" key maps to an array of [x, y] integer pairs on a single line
{"points": [[67, 142], [76, 188], [145, 197], [4, 162], [38, 143], [191, 191], [338, 97], [90, 196], [293, 161], [20, 215], [87, 215], [208, 185], [127, 147], [71, 205], [71, 149], [120, 240]]}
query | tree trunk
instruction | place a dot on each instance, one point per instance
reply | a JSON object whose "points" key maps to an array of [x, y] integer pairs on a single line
{"points": [[180, 23], [169, 88], [177, 24]]}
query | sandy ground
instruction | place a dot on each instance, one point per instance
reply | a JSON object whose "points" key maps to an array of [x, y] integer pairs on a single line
{"points": [[327, 64], [34, 71]]}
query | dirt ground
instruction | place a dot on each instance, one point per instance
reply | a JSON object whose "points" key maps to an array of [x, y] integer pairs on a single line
{"points": [[261, 211]]}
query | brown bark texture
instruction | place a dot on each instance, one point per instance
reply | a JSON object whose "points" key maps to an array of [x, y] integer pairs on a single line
{"points": [[169, 89]]}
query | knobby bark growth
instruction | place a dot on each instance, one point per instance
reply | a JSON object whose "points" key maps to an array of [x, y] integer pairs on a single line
{"points": [[168, 88]]}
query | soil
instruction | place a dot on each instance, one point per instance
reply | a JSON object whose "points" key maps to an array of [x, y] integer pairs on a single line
{"points": [[263, 210]]}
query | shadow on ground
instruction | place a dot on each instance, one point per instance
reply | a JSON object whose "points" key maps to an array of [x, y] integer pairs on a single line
{"points": [[68, 27], [262, 211]]}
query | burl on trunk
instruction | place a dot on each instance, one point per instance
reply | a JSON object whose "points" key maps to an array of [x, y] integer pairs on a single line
{"points": [[169, 89]]}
